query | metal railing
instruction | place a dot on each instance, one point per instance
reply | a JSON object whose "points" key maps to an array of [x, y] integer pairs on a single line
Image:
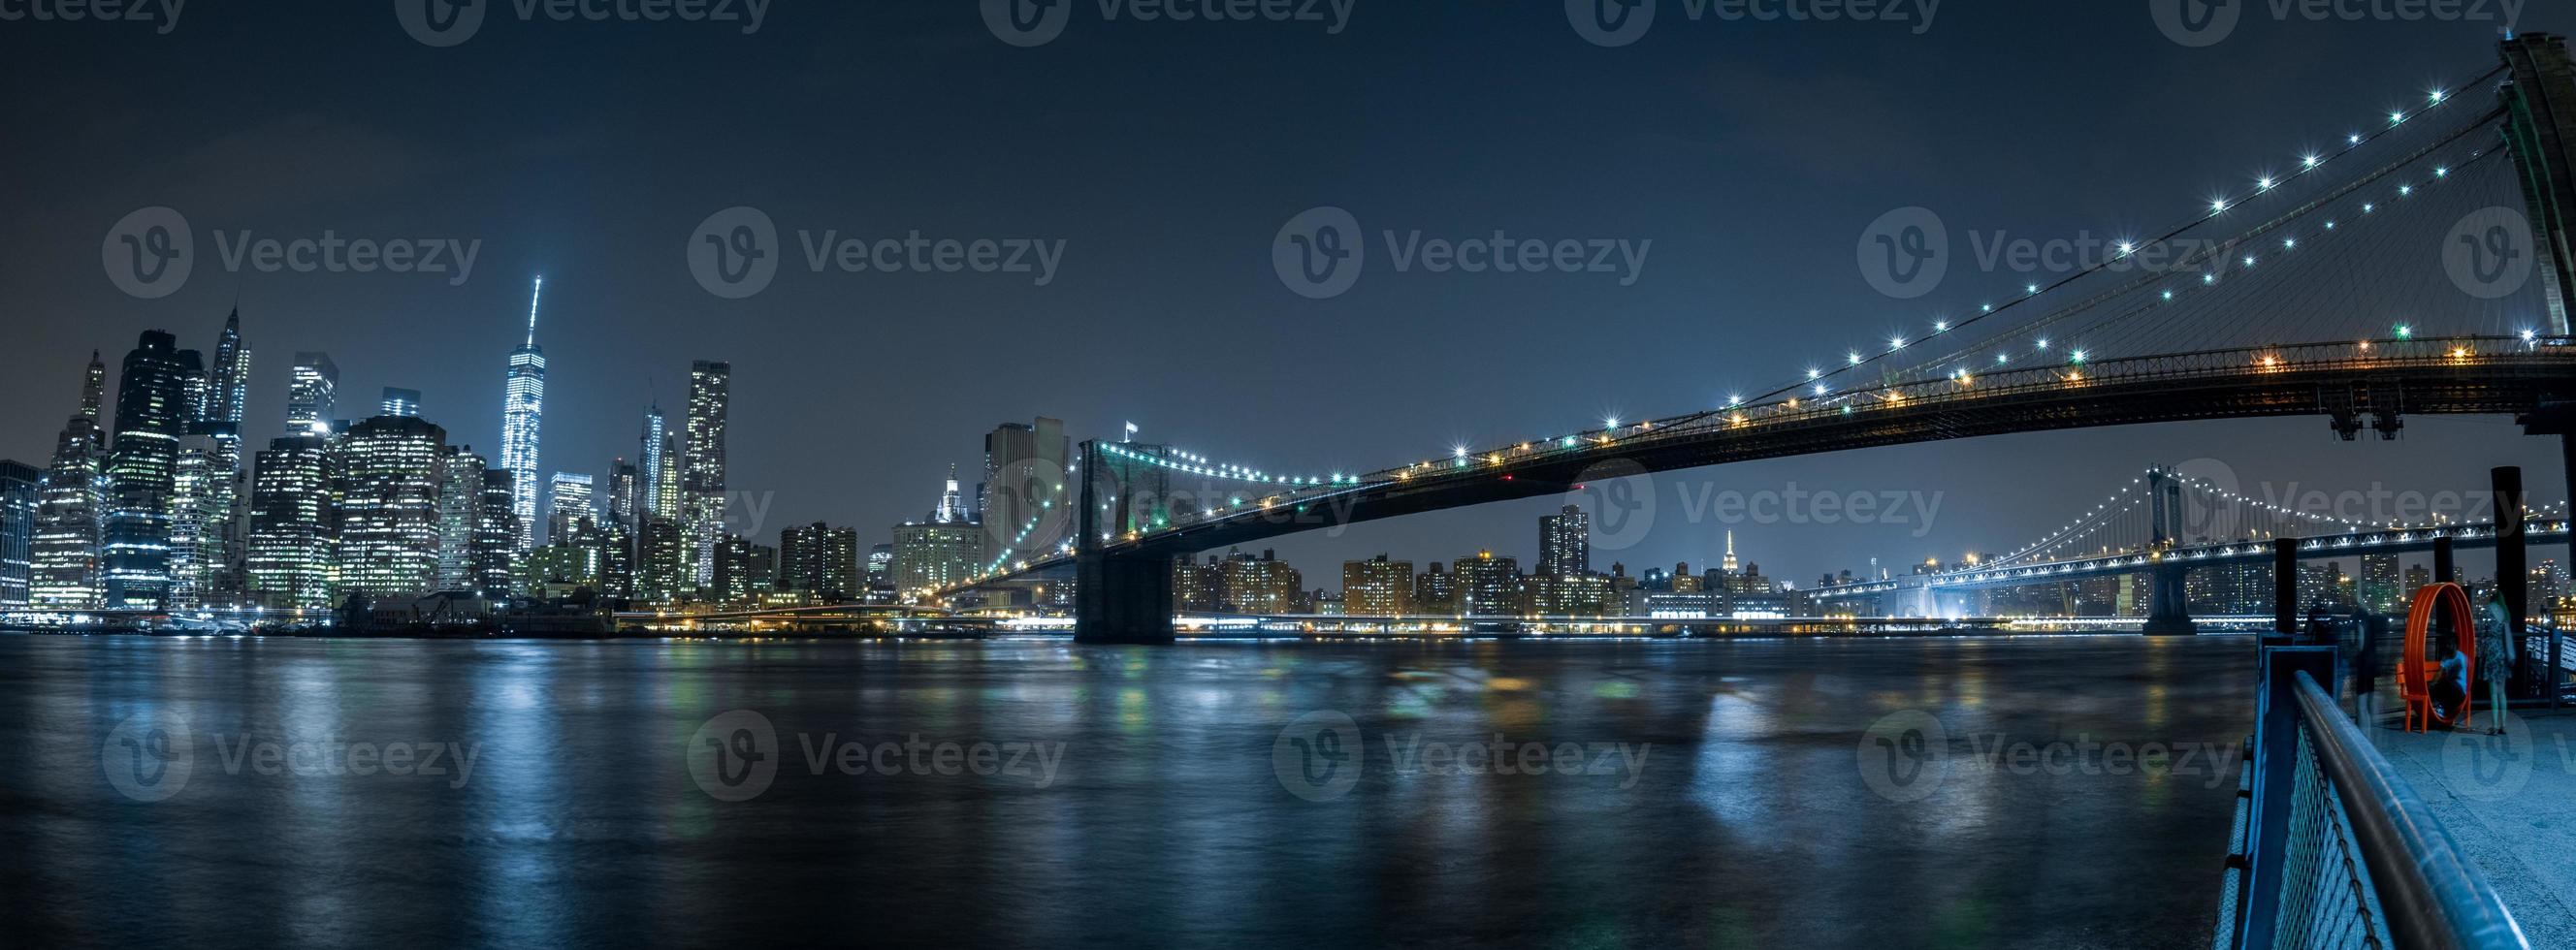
{"points": [[2332, 848]]}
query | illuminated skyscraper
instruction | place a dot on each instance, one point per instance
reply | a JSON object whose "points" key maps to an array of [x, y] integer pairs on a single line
{"points": [[657, 469], [289, 564], [69, 513], [460, 512], [952, 502], [1729, 566], [703, 471], [313, 393], [228, 380], [625, 493], [496, 534], [202, 492], [152, 412], [399, 402], [2378, 592], [568, 502], [389, 506], [1565, 543], [523, 406], [20, 485], [216, 497], [820, 560]]}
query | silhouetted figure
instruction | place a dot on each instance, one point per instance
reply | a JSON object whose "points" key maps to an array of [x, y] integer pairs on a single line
{"points": [[2495, 656]]}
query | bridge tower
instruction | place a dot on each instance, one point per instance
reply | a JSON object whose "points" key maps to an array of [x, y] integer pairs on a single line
{"points": [[1118, 597], [2540, 126], [2168, 600]]}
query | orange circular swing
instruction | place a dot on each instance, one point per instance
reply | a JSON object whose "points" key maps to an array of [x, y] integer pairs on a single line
{"points": [[2415, 673]]}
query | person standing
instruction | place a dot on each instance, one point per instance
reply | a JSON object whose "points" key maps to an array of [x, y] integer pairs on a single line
{"points": [[2495, 656]]}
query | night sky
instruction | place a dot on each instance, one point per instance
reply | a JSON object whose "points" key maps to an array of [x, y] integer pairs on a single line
{"points": [[1166, 156]]}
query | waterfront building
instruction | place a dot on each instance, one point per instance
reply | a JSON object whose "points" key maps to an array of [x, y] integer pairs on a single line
{"points": [[70, 512], [931, 556], [153, 410], [21, 485], [1488, 586], [390, 478], [495, 547], [1259, 585], [1565, 542], [289, 561], [703, 470], [460, 507], [1377, 587]]}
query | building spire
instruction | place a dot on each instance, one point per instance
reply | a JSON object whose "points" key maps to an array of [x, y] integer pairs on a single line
{"points": [[533, 297]]}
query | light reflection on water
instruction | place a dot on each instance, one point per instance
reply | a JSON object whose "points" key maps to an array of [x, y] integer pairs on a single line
{"points": [[1166, 825]]}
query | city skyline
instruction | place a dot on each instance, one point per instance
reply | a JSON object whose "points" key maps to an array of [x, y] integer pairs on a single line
{"points": [[1743, 284]]}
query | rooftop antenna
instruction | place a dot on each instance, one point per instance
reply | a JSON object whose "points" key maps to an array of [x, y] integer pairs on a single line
{"points": [[533, 297]]}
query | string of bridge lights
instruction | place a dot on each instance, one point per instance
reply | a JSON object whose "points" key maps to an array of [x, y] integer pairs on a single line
{"points": [[2076, 356], [1816, 377], [1022, 537], [2308, 163], [2064, 533], [1191, 464]]}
